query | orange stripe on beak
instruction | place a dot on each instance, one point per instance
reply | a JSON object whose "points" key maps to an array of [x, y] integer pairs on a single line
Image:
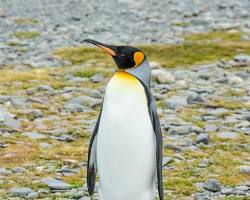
{"points": [[107, 50]]}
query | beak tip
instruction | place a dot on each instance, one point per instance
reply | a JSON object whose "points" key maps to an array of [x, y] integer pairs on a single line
{"points": [[85, 40]]}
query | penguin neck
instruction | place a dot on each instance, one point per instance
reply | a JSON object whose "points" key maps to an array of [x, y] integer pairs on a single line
{"points": [[142, 73]]}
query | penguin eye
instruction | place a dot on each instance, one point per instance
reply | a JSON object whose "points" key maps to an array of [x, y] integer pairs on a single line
{"points": [[122, 55]]}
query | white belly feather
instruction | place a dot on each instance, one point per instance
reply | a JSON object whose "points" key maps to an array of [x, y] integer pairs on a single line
{"points": [[126, 152]]}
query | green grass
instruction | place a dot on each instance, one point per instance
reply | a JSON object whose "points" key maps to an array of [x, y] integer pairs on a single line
{"points": [[234, 92], [197, 49], [88, 72], [26, 34], [230, 104], [221, 36], [25, 21]]}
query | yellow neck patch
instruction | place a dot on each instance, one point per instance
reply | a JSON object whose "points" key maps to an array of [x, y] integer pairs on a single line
{"points": [[125, 77], [138, 58]]}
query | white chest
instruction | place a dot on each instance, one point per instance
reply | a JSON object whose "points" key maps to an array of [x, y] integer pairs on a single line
{"points": [[126, 142]]}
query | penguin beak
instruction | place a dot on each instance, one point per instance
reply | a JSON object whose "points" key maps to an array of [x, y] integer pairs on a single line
{"points": [[106, 48]]}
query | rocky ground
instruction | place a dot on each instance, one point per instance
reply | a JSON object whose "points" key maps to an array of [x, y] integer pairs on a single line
{"points": [[51, 89]]}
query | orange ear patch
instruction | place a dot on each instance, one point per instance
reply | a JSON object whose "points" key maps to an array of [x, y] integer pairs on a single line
{"points": [[138, 58]]}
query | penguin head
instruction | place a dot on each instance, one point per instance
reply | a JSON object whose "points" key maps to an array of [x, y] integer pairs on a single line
{"points": [[125, 57]]}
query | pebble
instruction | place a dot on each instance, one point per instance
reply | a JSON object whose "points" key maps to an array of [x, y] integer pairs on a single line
{"points": [[32, 195], [5, 172], [43, 191], [212, 185], [166, 161], [97, 78], [73, 107], [227, 135], [173, 147], [7, 119], [20, 192], [162, 76], [19, 170], [210, 128], [227, 191], [245, 169], [242, 188], [176, 102], [45, 145], [56, 184], [34, 135], [202, 138], [65, 137], [2, 145]]}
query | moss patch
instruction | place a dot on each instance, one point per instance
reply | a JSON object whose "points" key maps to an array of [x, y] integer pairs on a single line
{"points": [[230, 104], [26, 35], [25, 21], [88, 72], [80, 54]]}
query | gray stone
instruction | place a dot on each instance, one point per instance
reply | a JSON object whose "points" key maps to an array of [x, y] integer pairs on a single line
{"points": [[240, 192], [78, 195], [227, 135], [184, 130], [242, 188], [58, 131], [235, 80], [43, 191], [185, 75], [244, 169], [19, 170], [210, 128], [36, 113], [87, 101], [97, 78], [5, 172], [176, 102], [245, 38], [20, 192], [78, 80], [154, 65], [34, 135], [2, 145], [173, 147], [45, 145], [65, 137], [73, 107], [166, 160], [56, 184], [212, 185], [85, 198], [202, 138], [242, 58], [227, 191], [162, 76], [218, 111], [32, 195], [8, 120], [46, 88], [95, 94], [193, 98]]}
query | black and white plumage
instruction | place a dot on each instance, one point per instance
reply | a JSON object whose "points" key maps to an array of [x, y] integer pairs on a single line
{"points": [[126, 144]]}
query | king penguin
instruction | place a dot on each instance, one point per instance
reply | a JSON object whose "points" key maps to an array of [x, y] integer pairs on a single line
{"points": [[126, 144]]}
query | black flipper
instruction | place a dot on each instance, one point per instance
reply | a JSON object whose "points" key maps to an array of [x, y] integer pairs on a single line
{"points": [[92, 162], [158, 135]]}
